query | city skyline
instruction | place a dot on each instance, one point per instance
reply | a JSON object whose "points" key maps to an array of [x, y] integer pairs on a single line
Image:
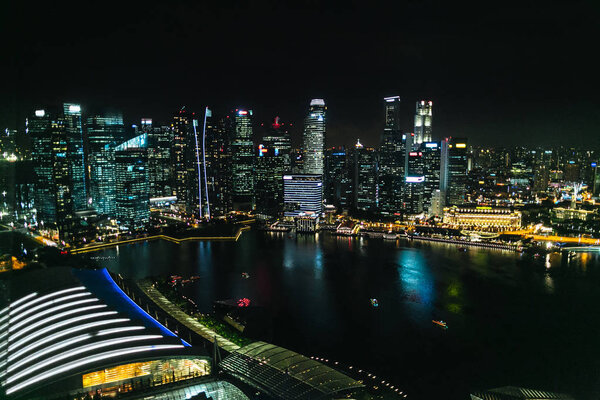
{"points": [[501, 85]]}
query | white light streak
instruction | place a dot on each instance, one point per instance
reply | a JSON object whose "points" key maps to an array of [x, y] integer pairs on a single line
{"points": [[15, 327], [89, 360], [76, 351]]}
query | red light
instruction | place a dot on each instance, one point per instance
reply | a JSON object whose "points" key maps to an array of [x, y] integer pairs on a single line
{"points": [[243, 302]]}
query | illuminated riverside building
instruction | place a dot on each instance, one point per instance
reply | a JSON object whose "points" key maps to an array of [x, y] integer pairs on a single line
{"points": [[423, 119], [278, 137], [302, 195], [314, 138], [453, 172], [392, 159], [131, 184], [182, 130], [364, 183], [482, 218], [75, 156], [242, 159]]}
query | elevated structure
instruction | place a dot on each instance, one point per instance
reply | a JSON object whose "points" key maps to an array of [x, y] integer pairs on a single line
{"points": [[517, 393], [69, 331], [287, 375]]}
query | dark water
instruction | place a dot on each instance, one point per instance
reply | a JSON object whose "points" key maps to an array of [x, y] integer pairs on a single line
{"points": [[512, 320]]}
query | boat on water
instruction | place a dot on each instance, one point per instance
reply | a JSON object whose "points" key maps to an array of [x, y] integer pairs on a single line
{"points": [[245, 275], [374, 303], [440, 323], [390, 236], [462, 249]]}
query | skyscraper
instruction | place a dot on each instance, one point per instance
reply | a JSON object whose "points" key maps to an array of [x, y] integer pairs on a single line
{"points": [[160, 171], [431, 170], [62, 179], [415, 183], [338, 178], [314, 137], [38, 127], [242, 159], [423, 116], [365, 178], [102, 135], [218, 165], [75, 155], [392, 159], [131, 183], [453, 174], [181, 127]]}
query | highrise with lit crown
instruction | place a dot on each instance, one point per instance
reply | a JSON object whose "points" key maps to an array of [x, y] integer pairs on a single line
{"points": [[423, 116], [314, 138], [242, 159]]}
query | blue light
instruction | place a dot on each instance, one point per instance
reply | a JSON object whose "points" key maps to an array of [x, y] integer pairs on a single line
{"points": [[594, 165]]}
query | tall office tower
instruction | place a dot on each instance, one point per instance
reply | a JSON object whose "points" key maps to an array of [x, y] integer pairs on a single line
{"points": [[270, 168], [38, 127], [278, 137], [182, 131], [102, 134], [160, 171], [338, 178], [62, 179], [303, 195], [572, 172], [453, 172], [423, 117], [431, 171], [242, 159], [218, 165], [196, 184], [75, 155], [364, 183], [415, 183], [131, 184], [314, 137], [392, 158]]}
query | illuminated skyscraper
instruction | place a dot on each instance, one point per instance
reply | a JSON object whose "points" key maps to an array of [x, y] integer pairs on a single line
{"points": [[365, 178], [131, 183], [392, 158], [218, 165], [38, 127], [102, 134], [415, 183], [182, 131], [431, 170], [242, 159], [160, 171], [423, 116], [338, 178], [453, 173], [75, 155], [314, 137]]}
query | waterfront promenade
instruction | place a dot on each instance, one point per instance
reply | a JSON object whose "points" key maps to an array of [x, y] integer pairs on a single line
{"points": [[104, 246]]}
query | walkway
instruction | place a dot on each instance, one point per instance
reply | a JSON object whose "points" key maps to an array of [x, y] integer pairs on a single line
{"points": [[189, 322], [104, 246]]}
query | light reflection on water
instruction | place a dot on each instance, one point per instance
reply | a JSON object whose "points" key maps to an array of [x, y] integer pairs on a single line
{"points": [[317, 290]]}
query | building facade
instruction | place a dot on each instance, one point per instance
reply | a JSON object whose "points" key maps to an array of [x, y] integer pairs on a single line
{"points": [[314, 137]]}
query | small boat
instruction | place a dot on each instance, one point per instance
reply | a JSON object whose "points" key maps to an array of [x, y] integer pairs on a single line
{"points": [[245, 275], [462, 249], [374, 303], [440, 323]]}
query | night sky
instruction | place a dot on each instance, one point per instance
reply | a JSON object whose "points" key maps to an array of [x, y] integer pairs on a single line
{"points": [[497, 72]]}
